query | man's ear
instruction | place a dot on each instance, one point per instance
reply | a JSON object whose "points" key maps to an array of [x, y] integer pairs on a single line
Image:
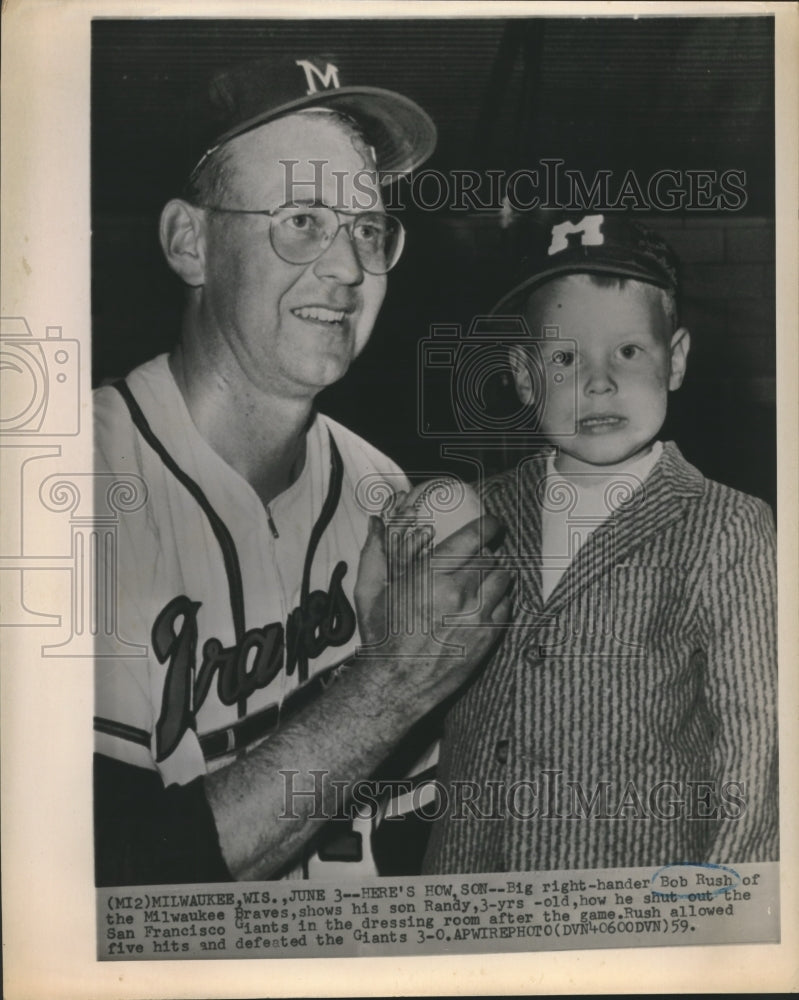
{"points": [[520, 365], [182, 234], [680, 345]]}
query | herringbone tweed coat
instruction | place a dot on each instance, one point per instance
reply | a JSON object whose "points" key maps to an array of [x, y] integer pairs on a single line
{"points": [[649, 671]]}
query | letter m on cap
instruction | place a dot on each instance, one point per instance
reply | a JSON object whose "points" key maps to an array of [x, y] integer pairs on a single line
{"points": [[328, 77], [589, 229]]}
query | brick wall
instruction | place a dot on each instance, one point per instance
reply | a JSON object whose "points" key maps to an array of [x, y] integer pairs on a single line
{"points": [[728, 284], [724, 417]]}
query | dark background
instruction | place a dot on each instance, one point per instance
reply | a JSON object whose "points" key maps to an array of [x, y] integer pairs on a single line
{"points": [[614, 94]]}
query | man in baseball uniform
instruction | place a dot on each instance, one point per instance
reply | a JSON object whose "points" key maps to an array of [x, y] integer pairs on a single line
{"points": [[253, 573]]}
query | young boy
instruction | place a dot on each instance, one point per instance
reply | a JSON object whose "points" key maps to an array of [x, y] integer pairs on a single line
{"points": [[628, 718]]}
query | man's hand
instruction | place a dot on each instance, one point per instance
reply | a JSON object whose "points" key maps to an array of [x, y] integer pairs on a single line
{"points": [[412, 658], [427, 616]]}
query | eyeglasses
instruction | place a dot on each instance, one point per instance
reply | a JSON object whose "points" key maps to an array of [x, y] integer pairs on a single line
{"points": [[300, 234]]}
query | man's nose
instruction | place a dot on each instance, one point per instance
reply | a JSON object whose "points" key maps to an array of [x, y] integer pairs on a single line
{"points": [[340, 261]]}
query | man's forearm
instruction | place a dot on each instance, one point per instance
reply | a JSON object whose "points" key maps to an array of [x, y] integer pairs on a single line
{"points": [[264, 815], [350, 729]]}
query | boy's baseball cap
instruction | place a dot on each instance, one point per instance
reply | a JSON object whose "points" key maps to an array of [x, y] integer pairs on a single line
{"points": [[251, 94], [594, 243]]}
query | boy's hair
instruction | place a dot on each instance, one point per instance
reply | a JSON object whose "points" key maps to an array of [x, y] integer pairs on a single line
{"points": [[667, 297]]}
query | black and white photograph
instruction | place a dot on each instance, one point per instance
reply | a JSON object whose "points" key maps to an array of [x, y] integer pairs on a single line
{"points": [[411, 503]]}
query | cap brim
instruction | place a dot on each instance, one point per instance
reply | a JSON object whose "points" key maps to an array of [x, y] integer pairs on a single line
{"points": [[514, 299], [402, 134]]}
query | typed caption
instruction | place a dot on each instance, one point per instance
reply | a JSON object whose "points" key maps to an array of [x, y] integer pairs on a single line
{"points": [[680, 904]]}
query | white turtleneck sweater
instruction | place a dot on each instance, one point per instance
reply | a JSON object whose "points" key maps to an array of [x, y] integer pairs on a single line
{"points": [[577, 502]]}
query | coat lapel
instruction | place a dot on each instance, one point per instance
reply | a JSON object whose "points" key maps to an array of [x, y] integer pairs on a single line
{"points": [[526, 550], [662, 499]]}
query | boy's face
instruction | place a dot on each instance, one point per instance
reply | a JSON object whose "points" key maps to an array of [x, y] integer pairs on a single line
{"points": [[625, 363]]}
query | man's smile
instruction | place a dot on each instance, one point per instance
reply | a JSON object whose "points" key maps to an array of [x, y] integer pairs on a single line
{"points": [[320, 314]]}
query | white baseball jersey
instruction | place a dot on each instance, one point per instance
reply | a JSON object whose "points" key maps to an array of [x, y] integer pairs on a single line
{"points": [[243, 609]]}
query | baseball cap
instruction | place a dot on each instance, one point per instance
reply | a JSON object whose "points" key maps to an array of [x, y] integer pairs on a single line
{"points": [[596, 243], [251, 94]]}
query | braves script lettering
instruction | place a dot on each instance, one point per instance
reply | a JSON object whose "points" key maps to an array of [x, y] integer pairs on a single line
{"points": [[323, 619]]}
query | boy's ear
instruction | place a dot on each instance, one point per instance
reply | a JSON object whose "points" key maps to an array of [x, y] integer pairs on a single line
{"points": [[182, 235], [520, 366], [680, 345]]}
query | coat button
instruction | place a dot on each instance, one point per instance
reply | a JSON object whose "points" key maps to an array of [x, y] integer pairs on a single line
{"points": [[501, 750]]}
